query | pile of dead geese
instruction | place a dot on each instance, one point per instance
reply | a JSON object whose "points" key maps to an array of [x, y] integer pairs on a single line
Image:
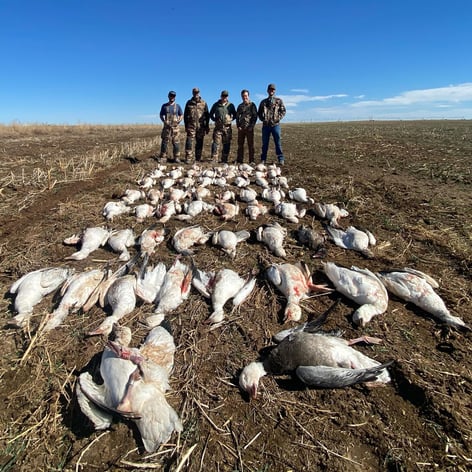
{"points": [[135, 380]]}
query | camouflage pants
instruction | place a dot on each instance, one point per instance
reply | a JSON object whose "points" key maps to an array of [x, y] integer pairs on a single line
{"points": [[243, 134], [197, 135], [222, 134], [172, 134]]}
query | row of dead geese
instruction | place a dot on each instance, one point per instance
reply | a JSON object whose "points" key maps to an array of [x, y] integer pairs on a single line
{"points": [[135, 380]]}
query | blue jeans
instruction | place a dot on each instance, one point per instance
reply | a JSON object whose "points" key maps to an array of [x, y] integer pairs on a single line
{"points": [[267, 131]]}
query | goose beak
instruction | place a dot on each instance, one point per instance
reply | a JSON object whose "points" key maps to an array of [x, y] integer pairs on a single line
{"points": [[125, 353]]}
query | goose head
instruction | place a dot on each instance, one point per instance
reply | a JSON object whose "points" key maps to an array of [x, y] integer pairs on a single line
{"points": [[250, 376]]}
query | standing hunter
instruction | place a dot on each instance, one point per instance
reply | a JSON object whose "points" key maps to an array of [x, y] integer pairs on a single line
{"points": [[246, 118], [171, 115], [271, 111], [222, 113], [197, 125]]}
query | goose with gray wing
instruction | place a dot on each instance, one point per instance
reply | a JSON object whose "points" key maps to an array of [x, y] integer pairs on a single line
{"points": [[319, 359]]}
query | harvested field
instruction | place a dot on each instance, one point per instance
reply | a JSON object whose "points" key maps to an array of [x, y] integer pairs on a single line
{"points": [[410, 183]]}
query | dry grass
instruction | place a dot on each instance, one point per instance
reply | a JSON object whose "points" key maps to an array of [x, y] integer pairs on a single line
{"points": [[420, 422], [26, 175]]}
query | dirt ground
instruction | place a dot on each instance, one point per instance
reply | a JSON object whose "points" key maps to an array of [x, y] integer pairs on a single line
{"points": [[408, 182]]}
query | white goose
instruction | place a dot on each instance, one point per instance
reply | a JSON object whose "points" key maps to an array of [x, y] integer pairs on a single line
{"points": [[91, 239], [134, 386], [149, 281], [32, 287], [221, 287], [120, 241], [113, 209], [226, 211], [418, 288], [228, 240], [295, 283], [75, 293], [289, 211], [330, 212], [299, 195], [150, 239], [174, 291], [273, 235], [353, 238], [143, 212], [361, 286], [194, 208], [132, 196], [247, 195], [120, 296], [185, 238], [256, 209]]}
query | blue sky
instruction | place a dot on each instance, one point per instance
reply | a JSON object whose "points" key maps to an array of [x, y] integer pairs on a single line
{"points": [[110, 62]]}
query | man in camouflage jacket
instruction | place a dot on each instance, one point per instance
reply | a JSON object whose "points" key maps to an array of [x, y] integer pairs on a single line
{"points": [[271, 111], [246, 118], [222, 113], [197, 124], [171, 115]]}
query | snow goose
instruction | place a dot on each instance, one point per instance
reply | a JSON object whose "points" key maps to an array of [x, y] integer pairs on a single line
{"points": [[90, 240], [75, 293], [221, 287], [295, 283], [187, 237], [134, 386], [318, 359], [32, 287], [113, 209], [228, 240], [273, 235], [121, 297], [299, 195], [120, 241], [289, 211], [418, 288], [314, 240], [330, 212], [361, 286], [174, 291]]}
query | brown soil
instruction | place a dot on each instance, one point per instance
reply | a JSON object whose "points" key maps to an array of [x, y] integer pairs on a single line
{"points": [[408, 182]]}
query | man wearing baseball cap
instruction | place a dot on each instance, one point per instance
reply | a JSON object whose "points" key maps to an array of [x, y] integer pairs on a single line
{"points": [[197, 125], [222, 113], [171, 115], [271, 110]]}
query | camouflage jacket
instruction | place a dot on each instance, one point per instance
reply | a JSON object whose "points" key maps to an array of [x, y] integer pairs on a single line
{"points": [[196, 114], [246, 115], [171, 114], [271, 111], [222, 113]]}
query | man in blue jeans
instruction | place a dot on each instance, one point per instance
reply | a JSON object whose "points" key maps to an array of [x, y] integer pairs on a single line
{"points": [[271, 111]]}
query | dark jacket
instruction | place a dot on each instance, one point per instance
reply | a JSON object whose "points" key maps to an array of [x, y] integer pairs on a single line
{"points": [[271, 111], [196, 114], [222, 113], [246, 115]]}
